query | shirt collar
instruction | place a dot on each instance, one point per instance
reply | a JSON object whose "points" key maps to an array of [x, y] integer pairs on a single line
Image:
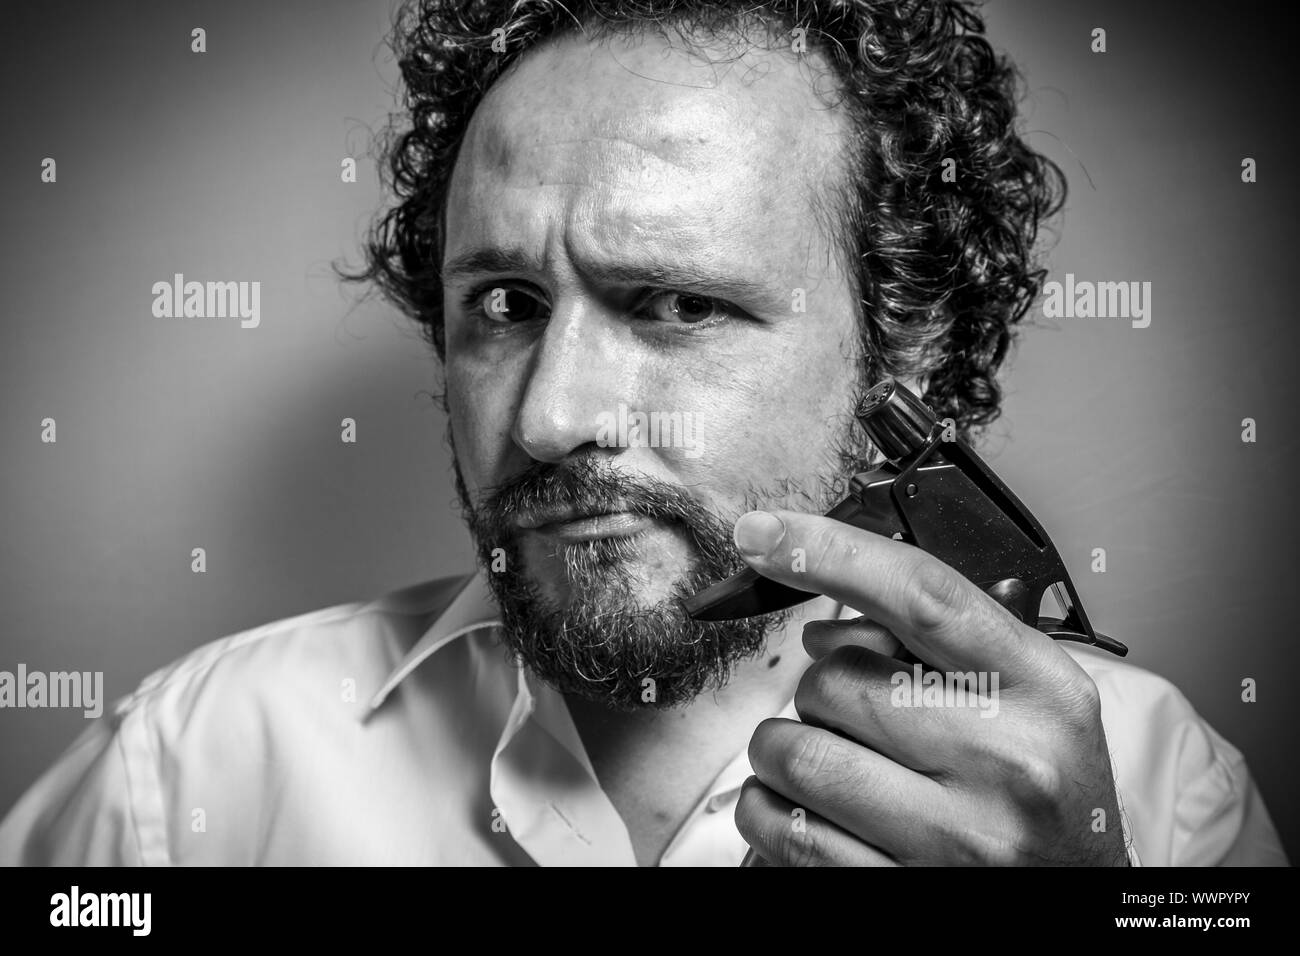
{"points": [[472, 609]]}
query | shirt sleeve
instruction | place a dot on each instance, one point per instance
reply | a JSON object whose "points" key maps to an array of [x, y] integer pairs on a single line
{"points": [[1186, 795], [91, 807], [1220, 818]]}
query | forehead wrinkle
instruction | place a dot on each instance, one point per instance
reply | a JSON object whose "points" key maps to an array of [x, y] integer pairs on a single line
{"points": [[596, 226], [523, 149], [606, 234], [653, 159], [623, 179], [675, 123]]}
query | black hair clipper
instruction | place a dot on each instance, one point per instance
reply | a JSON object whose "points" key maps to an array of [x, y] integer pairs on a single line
{"points": [[933, 492]]}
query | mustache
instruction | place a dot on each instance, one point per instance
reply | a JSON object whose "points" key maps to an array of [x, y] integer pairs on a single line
{"points": [[588, 484]]}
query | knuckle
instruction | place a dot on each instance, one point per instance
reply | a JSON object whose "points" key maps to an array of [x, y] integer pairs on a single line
{"points": [[781, 840], [937, 596], [974, 846], [831, 682], [807, 763], [816, 686], [764, 741], [803, 847], [1035, 780], [985, 849], [1080, 701], [830, 547]]}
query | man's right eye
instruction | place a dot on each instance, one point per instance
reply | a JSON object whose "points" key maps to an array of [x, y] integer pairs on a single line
{"points": [[506, 304]]}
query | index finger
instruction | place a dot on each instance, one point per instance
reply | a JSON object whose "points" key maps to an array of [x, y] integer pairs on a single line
{"points": [[936, 612]]}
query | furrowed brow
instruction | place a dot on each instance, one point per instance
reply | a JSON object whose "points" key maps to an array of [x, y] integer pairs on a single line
{"points": [[696, 278], [478, 262]]}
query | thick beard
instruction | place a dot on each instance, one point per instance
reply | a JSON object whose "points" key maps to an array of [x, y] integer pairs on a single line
{"points": [[602, 645]]}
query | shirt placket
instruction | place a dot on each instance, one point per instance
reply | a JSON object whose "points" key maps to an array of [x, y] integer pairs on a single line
{"points": [[547, 792]]}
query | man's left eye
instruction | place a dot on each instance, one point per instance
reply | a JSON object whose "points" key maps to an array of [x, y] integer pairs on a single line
{"points": [[684, 307]]}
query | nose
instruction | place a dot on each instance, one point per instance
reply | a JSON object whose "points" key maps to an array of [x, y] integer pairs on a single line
{"points": [[578, 371]]}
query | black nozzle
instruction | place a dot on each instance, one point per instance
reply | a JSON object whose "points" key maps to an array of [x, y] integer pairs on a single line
{"points": [[897, 422]]}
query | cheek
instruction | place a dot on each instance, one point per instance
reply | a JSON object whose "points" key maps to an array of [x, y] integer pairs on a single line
{"points": [[768, 415], [481, 414]]}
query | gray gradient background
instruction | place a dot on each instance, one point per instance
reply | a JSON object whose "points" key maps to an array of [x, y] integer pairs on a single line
{"points": [[176, 434]]}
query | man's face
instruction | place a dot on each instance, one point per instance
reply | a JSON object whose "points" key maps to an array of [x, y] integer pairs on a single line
{"points": [[631, 229]]}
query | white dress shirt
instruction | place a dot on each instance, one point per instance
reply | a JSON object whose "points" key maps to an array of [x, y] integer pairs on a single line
{"points": [[398, 732]]}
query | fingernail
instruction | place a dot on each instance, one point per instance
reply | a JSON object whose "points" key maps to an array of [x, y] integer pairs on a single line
{"points": [[758, 532]]}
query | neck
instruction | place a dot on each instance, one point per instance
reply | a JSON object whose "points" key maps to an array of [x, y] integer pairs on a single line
{"points": [[655, 765]]}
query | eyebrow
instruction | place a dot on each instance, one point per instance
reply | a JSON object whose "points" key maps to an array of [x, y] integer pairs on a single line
{"points": [[480, 261], [685, 276]]}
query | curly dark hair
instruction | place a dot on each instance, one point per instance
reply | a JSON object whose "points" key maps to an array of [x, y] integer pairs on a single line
{"points": [[944, 267]]}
